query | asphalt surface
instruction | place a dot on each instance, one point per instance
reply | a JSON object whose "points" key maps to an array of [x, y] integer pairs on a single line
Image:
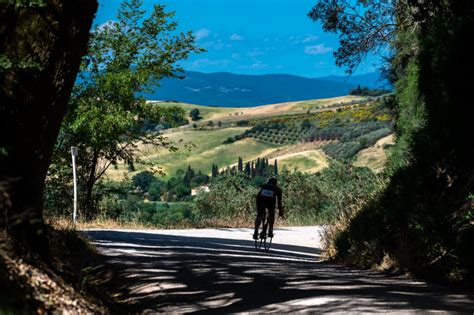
{"points": [[219, 271]]}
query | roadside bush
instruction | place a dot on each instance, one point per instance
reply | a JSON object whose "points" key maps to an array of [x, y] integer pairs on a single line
{"points": [[347, 190], [302, 198], [230, 200]]}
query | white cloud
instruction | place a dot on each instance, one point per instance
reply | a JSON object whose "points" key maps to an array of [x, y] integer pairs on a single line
{"points": [[202, 33], [202, 63], [310, 39], [255, 53], [225, 89], [215, 44], [236, 37], [235, 56], [197, 90], [320, 49], [296, 40], [257, 65]]}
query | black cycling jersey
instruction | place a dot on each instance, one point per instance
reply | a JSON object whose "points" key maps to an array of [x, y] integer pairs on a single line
{"points": [[269, 194]]}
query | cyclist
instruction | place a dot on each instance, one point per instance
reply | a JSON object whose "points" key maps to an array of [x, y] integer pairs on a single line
{"points": [[267, 197]]}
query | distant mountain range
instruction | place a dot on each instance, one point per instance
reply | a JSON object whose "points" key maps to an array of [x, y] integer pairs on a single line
{"points": [[237, 90]]}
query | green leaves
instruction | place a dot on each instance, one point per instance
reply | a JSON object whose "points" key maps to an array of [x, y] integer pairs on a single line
{"points": [[126, 57]]}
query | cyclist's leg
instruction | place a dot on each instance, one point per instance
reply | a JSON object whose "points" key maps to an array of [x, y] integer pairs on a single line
{"points": [[266, 215], [271, 220], [259, 218]]}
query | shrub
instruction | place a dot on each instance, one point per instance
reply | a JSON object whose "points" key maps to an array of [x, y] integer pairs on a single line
{"points": [[143, 180], [242, 123]]}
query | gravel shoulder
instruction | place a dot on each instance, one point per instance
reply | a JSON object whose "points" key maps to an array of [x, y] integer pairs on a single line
{"points": [[218, 270]]}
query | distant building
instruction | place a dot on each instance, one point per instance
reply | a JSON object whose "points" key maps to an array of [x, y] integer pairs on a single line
{"points": [[195, 191]]}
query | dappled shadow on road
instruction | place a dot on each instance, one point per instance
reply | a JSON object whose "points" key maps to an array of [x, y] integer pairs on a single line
{"points": [[170, 273]]}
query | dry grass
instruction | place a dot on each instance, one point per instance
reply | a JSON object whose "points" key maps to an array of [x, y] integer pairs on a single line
{"points": [[47, 292], [63, 223], [277, 109], [227, 114], [387, 264], [375, 156], [30, 285], [244, 221], [308, 161]]}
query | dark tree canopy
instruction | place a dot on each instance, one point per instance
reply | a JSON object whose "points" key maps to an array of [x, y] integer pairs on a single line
{"points": [[195, 114], [363, 27], [428, 201]]}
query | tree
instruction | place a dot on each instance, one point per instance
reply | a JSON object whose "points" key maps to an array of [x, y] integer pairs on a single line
{"points": [[219, 123], [427, 202], [215, 171], [363, 26], [195, 114], [189, 175], [143, 180], [240, 165], [42, 45], [126, 57], [210, 124], [306, 124], [155, 190], [275, 168]]}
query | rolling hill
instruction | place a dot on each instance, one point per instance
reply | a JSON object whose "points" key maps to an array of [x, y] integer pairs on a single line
{"points": [[372, 80], [226, 114], [236, 90], [208, 145]]}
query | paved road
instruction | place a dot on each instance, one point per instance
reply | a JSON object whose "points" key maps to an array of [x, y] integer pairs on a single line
{"points": [[218, 270]]}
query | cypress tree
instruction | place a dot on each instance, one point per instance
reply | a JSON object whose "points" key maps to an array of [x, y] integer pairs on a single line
{"points": [[241, 165], [247, 169], [275, 167], [214, 171]]}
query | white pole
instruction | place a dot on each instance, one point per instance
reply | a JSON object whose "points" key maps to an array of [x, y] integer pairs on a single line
{"points": [[74, 154]]}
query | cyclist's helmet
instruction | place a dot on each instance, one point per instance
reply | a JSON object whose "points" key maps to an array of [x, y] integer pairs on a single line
{"points": [[273, 181]]}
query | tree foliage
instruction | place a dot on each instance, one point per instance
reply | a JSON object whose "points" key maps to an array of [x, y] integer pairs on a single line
{"points": [[423, 218], [126, 57], [195, 114], [363, 26]]}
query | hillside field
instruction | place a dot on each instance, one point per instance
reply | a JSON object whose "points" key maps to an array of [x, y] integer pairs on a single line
{"points": [[202, 147], [226, 114]]}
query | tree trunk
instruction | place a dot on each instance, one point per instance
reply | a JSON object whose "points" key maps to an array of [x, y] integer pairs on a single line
{"points": [[89, 202], [43, 46]]}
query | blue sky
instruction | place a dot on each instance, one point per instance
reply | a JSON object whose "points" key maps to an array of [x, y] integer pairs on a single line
{"points": [[252, 36]]}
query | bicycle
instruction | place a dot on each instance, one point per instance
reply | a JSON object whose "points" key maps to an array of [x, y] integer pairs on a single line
{"points": [[263, 239]]}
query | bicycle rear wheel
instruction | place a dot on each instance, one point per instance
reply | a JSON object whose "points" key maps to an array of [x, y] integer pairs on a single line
{"points": [[268, 243], [261, 241]]}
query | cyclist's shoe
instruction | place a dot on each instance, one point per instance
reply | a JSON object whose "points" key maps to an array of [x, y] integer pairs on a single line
{"points": [[270, 234], [255, 236], [263, 235]]}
